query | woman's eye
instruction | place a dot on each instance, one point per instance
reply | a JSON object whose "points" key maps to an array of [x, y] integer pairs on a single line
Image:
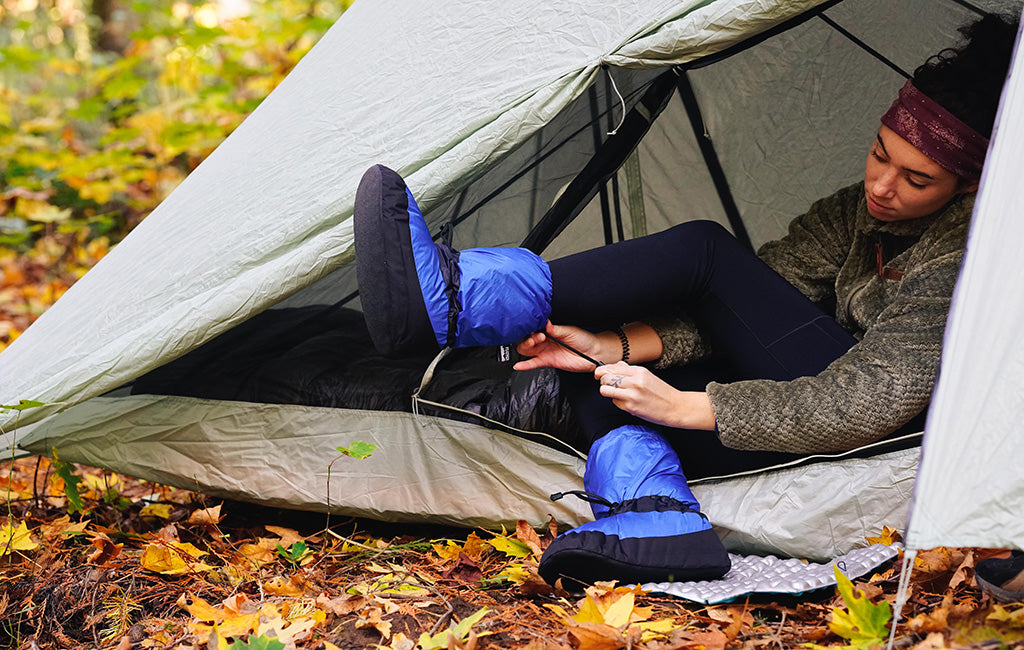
{"points": [[877, 156], [915, 185]]}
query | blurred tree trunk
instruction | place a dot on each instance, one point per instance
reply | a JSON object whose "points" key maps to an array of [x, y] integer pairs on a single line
{"points": [[114, 23]]}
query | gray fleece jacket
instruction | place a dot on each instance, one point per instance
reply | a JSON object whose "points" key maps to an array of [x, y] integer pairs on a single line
{"points": [[898, 317]]}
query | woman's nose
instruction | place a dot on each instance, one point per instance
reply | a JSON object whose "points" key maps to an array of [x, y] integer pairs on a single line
{"points": [[884, 184]]}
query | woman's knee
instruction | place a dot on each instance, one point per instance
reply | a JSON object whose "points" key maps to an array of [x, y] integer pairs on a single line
{"points": [[698, 231]]}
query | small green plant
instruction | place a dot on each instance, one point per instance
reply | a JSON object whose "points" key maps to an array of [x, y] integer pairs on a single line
{"points": [[22, 405], [66, 471], [460, 633], [257, 643], [295, 553], [358, 449]]}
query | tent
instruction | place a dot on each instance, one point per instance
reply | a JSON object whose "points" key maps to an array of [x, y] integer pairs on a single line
{"points": [[558, 127]]}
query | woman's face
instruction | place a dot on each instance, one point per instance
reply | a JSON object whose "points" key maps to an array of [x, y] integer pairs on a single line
{"points": [[902, 183]]}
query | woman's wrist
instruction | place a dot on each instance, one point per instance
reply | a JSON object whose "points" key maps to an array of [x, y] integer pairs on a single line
{"points": [[695, 411], [609, 347]]}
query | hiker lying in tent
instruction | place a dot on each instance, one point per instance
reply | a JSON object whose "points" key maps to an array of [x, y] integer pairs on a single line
{"points": [[726, 358]]}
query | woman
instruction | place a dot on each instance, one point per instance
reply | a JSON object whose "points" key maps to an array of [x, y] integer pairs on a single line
{"points": [[746, 366]]}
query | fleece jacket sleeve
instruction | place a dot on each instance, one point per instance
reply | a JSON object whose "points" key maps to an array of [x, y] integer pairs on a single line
{"points": [[872, 390]]}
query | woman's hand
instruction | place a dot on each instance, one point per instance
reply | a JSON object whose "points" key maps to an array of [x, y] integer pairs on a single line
{"points": [[546, 353], [640, 392]]}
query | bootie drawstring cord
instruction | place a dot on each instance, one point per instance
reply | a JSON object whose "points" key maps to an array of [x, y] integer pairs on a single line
{"points": [[649, 503]]}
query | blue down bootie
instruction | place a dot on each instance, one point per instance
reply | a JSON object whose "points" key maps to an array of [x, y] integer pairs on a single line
{"points": [[648, 525], [419, 295]]}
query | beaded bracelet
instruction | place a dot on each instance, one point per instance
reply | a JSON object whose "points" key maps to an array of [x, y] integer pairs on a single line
{"points": [[625, 344]]}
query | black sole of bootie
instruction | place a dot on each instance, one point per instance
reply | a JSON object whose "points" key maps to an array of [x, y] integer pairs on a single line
{"points": [[389, 288], [585, 558]]}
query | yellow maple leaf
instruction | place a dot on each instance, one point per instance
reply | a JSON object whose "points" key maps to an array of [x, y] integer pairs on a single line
{"points": [[651, 630], [888, 536], [515, 573], [510, 547], [448, 551], [589, 612], [619, 611], [173, 558], [161, 510], [99, 483], [15, 539], [235, 617], [474, 548], [1014, 618]]}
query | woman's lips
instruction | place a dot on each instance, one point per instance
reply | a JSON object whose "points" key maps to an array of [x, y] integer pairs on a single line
{"points": [[875, 206]]}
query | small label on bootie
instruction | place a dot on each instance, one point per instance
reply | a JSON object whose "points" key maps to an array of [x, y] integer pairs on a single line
{"points": [[504, 354]]}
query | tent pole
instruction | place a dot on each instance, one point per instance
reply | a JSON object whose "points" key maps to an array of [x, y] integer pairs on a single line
{"points": [[714, 165], [864, 46], [606, 161]]}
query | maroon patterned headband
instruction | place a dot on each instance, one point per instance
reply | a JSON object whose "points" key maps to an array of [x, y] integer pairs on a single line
{"points": [[937, 133]]}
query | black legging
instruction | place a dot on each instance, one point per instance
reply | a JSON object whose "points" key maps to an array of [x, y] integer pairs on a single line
{"points": [[759, 326]]}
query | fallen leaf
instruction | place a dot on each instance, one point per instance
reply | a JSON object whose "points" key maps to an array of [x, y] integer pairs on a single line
{"points": [[398, 642], [100, 483], [342, 605], [1000, 614], [199, 608], [15, 539], [711, 639], [465, 570], [934, 641], [206, 516], [63, 526], [173, 558], [888, 536], [934, 568], [510, 547], [371, 617], [287, 535], [294, 586], [863, 623], [597, 636], [473, 548], [964, 573], [527, 535], [289, 631], [651, 630], [106, 550], [161, 510]]}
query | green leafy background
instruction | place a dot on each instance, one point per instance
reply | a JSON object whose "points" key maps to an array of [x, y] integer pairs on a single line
{"points": [[106, 105]]}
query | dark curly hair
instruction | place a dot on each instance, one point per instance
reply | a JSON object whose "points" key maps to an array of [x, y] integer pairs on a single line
{"points": [[968, 80]]}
